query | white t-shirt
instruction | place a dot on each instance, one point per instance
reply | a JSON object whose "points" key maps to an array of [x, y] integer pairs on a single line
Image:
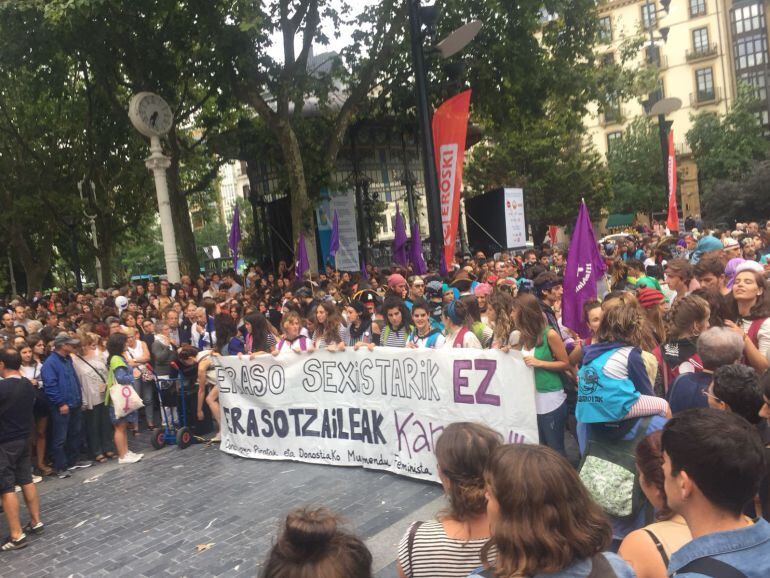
{"points": [[469, 340]]}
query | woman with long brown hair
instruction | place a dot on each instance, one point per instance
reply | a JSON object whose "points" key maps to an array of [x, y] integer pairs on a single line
{"points": [[543, 521], [749, 307], [450, 546], [331, 332], [687, 319], [544, 351], [648, 549]]}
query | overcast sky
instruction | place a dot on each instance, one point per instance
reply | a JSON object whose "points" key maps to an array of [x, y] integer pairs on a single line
{"points": [[335, 44]]}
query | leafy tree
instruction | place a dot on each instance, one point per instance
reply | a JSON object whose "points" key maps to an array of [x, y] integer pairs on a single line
{"points": [[729, 151], [554, 167], [636, 170]]}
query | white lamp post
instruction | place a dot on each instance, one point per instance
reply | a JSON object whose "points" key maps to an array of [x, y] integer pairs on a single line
{"points": [[152, 117]]}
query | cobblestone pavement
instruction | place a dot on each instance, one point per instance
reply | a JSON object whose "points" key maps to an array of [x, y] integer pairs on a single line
{"points": [[147, 519]]}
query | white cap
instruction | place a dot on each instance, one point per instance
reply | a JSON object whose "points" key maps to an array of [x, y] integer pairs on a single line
{"points": [[121, 303]]}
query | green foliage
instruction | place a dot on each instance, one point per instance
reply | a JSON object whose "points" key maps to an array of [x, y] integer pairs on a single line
{"points": [[726, 147], [140, 251], [729, 152], [636, 170], [552, 164]]}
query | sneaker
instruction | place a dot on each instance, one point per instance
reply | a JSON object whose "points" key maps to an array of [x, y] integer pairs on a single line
{"points": [[36, 479], [135, 454], [216, 439], [17, 544], [63, 474], [80, 464], [129, 458], [36, 529]]}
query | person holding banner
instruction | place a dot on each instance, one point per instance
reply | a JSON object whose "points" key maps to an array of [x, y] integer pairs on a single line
{"points": [[424, 336], [544, 351], [397, 331], [359, 325], [293, 337], [330, 332], [455, 318]]}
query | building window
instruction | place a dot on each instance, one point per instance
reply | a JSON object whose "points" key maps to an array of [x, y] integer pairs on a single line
{"points": [[649, 15], [605, 29], [758, 81], [612, 139], [704, 81], [750, 51], [748, 18], [700, 40], [697, 7]]}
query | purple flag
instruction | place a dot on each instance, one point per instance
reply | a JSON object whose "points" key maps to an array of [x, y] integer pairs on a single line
{"points": [[364, 272], [442, 270], [302, 264], [235, 237], [334, 241], [415, 252], [400, 239], [585, 268]]}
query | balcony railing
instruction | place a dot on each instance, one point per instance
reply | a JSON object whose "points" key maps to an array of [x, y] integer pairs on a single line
{"points": [[705, 97], [701, 53]]}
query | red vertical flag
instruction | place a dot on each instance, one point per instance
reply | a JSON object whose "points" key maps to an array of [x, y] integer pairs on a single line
{"points": [[450, 125], [673, 212]]}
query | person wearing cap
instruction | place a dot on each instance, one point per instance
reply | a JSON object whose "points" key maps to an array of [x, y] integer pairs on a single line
{"points": [[62, 388], [433, 292], [482, 291], [731, 248], [706, 244]]}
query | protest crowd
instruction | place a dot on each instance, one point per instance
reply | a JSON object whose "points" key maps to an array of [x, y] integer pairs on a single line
{"points": [[672, 477]]}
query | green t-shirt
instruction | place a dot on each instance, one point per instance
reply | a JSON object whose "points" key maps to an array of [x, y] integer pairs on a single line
{"points": [[546, 380], [116, 361]]}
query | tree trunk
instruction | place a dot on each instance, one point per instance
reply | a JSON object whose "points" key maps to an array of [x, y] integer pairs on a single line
{"points": [[35, 263], [105, 257], [185, 239], [301, 207]]}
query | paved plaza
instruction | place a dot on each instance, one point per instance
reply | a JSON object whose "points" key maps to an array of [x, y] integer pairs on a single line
{"points": [[152, 518]]}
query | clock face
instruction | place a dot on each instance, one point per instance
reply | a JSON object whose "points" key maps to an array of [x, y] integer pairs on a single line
{"points": [[151, 114]]}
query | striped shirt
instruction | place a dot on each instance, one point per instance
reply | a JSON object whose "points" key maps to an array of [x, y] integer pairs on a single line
{"points": [[320, 342], [395, 338], [435, 554]]}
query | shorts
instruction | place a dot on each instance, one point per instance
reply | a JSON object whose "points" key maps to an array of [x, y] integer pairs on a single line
{"points": [[132, 417], [40, 408], [15, 465]]}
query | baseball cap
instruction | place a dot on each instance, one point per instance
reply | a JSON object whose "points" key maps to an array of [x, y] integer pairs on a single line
{"points": [[730, 243], [64, 339]]}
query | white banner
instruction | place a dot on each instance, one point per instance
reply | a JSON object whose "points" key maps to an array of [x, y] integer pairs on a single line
{"points": [[515, 226], [383, 409], [347, 255]]}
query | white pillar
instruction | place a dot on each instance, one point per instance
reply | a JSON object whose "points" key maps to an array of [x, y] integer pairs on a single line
{"points": [[157, 162]]}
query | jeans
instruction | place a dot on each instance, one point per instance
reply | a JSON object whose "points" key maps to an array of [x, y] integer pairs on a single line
{"points": [[146, 390], [550, 428], [98, 430], [66, 437]]}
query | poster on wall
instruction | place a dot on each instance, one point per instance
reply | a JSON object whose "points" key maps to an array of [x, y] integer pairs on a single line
{"points": [[515, 225], [344, 203]]}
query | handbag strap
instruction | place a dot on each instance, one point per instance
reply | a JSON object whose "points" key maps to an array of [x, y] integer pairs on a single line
{"points": [[711, 567], [99, 373], [410, 544]]}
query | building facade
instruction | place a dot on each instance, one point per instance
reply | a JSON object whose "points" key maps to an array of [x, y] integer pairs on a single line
{"points": [[702, 49]]}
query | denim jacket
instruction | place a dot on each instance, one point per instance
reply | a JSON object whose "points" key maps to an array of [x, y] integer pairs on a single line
{"points": [[747, 549], [582, 568]]}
